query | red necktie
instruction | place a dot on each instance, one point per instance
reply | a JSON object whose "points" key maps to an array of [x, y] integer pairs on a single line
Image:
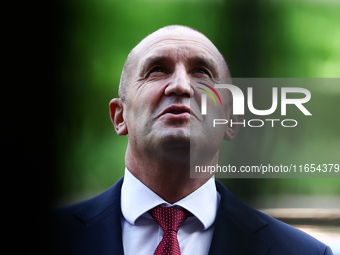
{"points": [[170, 219]]}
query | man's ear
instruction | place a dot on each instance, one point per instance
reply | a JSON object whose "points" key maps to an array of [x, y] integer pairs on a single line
{"points": [[231, 131], [117, 106]]}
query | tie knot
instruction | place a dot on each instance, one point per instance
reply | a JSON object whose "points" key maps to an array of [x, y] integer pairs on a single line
{"points": [[168, 218]]}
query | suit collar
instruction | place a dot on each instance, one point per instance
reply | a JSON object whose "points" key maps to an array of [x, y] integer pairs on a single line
{"points": [[138, 199], [236, 226]]}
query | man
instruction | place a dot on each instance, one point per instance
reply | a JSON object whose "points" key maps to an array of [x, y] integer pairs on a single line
{"points": [[157, 208]]}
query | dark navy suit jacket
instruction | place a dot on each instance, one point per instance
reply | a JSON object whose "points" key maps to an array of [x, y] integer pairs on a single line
{"points": [[93, 227]]}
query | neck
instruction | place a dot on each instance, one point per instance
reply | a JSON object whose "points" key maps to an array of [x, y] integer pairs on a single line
{"points": [[168, 178]]}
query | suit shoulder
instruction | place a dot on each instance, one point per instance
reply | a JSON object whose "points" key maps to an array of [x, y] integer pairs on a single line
{"points": [[64, 219], [282, 238], [286, 237], [73, 216]]}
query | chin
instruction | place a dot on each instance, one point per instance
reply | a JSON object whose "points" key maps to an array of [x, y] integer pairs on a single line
{"points": [[175, 139], [175, 148]]}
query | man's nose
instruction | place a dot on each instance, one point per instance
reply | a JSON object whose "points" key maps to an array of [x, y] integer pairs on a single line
{"points": [[179, 83]]}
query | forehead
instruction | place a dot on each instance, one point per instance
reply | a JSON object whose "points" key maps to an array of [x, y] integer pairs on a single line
{"points": [[179, 45]]}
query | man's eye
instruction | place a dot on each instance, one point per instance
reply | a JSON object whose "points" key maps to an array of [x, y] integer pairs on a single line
{"points": [[202, 71], [158, 72], [157, 69]]}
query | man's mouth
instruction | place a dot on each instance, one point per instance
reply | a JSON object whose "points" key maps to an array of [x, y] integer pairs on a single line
{"points": [[177, 110]]}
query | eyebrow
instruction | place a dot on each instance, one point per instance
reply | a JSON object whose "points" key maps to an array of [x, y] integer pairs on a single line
{"points": [[199, 61], [153, 61], [205, 62]]}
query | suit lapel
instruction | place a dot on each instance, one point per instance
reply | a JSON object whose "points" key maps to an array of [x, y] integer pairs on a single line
{"points": [[235, 227], [101, 231]]}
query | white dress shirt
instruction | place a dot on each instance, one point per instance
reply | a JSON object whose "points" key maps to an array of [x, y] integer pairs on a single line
{"points": [[142, 234]]}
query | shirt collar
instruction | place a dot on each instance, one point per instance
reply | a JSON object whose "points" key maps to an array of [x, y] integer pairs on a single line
{"points": [[137, 199]]}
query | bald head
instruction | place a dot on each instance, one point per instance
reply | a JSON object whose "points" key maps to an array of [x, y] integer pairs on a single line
{"points": [[178, 32]]}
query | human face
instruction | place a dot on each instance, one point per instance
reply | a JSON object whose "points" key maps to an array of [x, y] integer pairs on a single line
{"points": [[161, 103]]}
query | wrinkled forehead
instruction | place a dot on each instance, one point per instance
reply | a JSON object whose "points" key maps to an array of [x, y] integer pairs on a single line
{"points": [[184, 42]]}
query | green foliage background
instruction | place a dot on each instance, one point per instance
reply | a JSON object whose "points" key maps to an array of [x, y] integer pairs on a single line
{"points": [[258, 38]]}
